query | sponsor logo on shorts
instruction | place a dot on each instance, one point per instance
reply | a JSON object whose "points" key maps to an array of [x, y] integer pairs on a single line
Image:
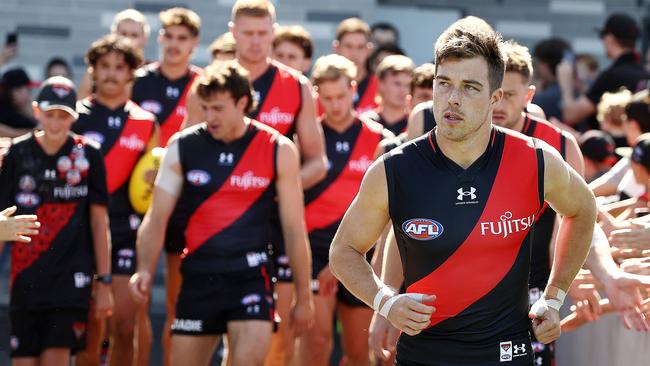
{"points": [[519, 350], [81, 280], [27, 199], [125, 258], [198, 177], [251, 299], [505, 350], [188, 325], [134, 222], [14, 343], [538, 347], [254, 259], [95, 136], [422, 229], [79, 328], [507, 225], [151, 106], [534, 294]]}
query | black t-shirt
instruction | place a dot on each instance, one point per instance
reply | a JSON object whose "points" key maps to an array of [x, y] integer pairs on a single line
{"points": [[9, 116], [56, 268]]}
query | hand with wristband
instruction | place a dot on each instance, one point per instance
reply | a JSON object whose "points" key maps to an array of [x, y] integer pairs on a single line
{"points": [[545, 314], [407, 312]]}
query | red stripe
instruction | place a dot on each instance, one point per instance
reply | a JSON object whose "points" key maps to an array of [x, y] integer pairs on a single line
{"points": [[368, 100], [481, 262], [330, 206], [173, 122], [282, 102], [230, 202], [120, 160]]}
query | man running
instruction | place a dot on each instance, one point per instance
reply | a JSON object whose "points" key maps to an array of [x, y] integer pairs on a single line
{"points": [[226, 172], [125, 132], [478, 221]]}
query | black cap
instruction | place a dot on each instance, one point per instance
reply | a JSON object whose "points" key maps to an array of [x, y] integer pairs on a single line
{"points": [[15, 78], [641, 152], [598, 146], [621, 26], [58, 92]]}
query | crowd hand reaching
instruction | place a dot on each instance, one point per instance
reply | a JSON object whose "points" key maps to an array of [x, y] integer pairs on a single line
{"points": [[410, 315], [620, 255], [576, 319], [586, 300], [17, 228], [637, 236], [624, 290], [383, 337], [609, 223]]}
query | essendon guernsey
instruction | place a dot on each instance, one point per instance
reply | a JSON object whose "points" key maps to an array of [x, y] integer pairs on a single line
{"points": [[229, 190], [464, 235], [165, 98], [278, 94], [56, 268], [365, 97]]}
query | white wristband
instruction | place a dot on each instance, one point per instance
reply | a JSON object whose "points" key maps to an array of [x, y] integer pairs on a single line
{"points": [[383, 291], [389, 303], [561, 294]]}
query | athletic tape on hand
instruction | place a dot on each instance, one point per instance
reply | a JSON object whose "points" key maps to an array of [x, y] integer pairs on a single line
{"points": [[389, 303], [383, 291], [541, 306]]}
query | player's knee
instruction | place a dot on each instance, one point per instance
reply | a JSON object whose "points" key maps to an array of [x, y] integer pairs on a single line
{"points": [[246, 357], [124, 330], [319, 342]]}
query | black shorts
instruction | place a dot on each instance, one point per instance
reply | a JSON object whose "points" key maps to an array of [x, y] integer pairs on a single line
{"points": [[207, 302], [282, 270], [123, 236], [33, 331]]}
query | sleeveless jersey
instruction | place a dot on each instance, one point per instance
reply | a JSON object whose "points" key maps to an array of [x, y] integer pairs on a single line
{"points": [[350, 153], [463, 235], [278, 93], [364, 98], [543, 231], [396, 128], [56, 268], [165, 98], [228, 192]]}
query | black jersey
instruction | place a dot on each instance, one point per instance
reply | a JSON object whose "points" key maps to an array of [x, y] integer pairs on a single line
{"points": [[165, 98], [56, 268], [228, 192], [463, 235], [396, 128]]}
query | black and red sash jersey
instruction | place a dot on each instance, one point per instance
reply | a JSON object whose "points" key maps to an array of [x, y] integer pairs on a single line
{"points": [[350, 153], [366, 94], [122, 134], [165, 98], [463, 235], [278, 93], [56, 268], [396, 128], [228, 192], [540, 269]]}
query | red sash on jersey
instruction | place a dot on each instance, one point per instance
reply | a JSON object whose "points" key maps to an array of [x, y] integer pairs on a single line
{"points": [[330, 206], [282, 103], [173, 122], [481, 262], [545, 131], [228, 203], [367, 100], [125, 152]]}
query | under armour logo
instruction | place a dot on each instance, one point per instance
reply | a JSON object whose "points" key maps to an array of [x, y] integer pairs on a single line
{"points": [[342, 146], [462, 194], [519, 348], [114, 121], [226, 158], [172, 92], [50, 174]]}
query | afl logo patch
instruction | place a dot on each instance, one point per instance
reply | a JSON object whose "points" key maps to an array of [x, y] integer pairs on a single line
{"points": [[422, 229], [198, 177]]}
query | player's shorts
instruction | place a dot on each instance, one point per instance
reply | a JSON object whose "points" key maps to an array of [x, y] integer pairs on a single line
{"points": [[282, 270], [123, 236], [319, 260], [544, 353], [516, 351], [208, 301], [33, 331]]}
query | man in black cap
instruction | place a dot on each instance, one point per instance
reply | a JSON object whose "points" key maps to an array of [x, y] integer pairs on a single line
{"points": [[59, 177], [619, 36], [598, 152], [16, 116]]}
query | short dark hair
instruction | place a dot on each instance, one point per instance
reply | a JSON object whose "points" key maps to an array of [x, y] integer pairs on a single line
{"points": [[297, 35], [459, 43], [57, 61], [551, 51], [385, 26], [225, 76], [114, 43], [183, 17]]}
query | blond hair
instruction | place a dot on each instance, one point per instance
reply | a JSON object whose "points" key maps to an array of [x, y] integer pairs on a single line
{"points": [[518, 59], [133, 16], [331, 68], [394, 64], [352, 25], [253, 8], [612, 107]]}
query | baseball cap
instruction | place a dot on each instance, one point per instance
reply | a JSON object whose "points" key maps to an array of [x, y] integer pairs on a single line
{"points": [[598, 146], [15, 78], [621, 26], [641, 152], [58, 92]]}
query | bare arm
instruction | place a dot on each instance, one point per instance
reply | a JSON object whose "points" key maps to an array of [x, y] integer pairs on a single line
{"points": [[392, 273], [102, 246], [415, 127], [311, 139]]}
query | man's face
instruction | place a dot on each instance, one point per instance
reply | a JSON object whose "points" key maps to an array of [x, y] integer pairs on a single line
{"points": [[55, 123], [222, 113], [254, 37], [291, 55], [516, 95], [355, 47], [134, 31], [421, 95], [395, 89], [223, 56], [462, 99], [336, 98], [383, 36], [177, 43], [112, 75]]}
